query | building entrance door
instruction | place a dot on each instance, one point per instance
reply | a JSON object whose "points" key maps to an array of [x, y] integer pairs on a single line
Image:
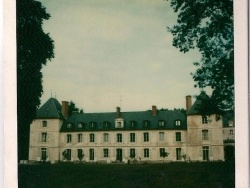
{"points": [[119, 154]]}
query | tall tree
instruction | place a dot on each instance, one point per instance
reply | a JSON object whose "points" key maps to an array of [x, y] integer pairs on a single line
{"points": [[34, 49], [208, 26], [72, 108]]}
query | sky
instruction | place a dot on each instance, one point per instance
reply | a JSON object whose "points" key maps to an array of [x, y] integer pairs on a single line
{"points": [[112, 53]]}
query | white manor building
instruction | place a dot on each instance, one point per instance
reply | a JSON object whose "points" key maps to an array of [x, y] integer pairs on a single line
{"points": [[116, 136]]}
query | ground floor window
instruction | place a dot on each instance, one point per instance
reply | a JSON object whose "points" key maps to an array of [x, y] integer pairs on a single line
{"points": [[146, 152], [105, 153], [178, 154], [80, 154], [43, 154], [205, 151], [132, 153], [91, 154]]}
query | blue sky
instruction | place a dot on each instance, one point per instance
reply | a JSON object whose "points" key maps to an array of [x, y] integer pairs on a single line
{"points": [[112, 53]]}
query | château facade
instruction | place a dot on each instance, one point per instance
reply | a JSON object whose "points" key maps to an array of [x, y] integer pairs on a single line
{"points": [[120, 136]]}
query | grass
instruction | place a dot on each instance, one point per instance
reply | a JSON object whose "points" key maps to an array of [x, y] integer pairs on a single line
{"points": [[176, 175]]}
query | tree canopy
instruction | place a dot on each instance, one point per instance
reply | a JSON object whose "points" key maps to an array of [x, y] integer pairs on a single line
{"points": [[72, 108], [34, 49], [208, 26]]}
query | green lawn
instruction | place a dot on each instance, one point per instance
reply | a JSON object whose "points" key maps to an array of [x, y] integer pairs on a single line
{"points": [[201, 175]]}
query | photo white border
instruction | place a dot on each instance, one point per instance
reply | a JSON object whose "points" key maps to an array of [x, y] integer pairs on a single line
{"points": [[8, 95]]}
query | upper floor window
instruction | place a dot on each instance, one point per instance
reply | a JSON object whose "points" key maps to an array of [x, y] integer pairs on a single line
{"points": [[105, 137], [146, 123], [177, 122], [204, 134], [231, 132], [69, 125], [161, 136], [106, 124], [44, 123], [91, 137], [80, 125], [162, 151], [178, 136], [133, 124], [69, 138], [132, 137], [204, 120], [79, 137], [230, 123], [119, 137], [44, 137], [92, 124], [146, 137], [119, 123], [161, 123]]}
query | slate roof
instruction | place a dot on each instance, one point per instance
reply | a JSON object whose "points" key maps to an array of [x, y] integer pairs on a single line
{"points": [[50, 110], [169, 116]]}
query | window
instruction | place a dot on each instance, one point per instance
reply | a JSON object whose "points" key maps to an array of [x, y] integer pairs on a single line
{"points": [[161, 136], [146, 152], [80, 154], [162, 150], [205, 152], [161, 123], [133, 123], [79, 137], [119, 137], [230, 123], [178, 136], [146, 123], [68, 154], [231, 132], [204, 120], [106, 124], [44, 137], [92, 125], [132, 137], [119, 123], [132, 153], [80, 125], [43, 154], [178, 154], [146, 137], [69, 125], [204, 134], [177, 123], [105, 137], [91, 154], [44, 123], [105, 152], [69, 138], [91, 137]]}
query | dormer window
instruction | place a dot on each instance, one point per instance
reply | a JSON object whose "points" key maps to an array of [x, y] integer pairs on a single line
{"points": [[119, 123], [92, 124], [161, 123], [80, 125], [44, 123], [106, 124], [133, 124], [69, 125], [146, 123], [177, 123], [230, 124]]}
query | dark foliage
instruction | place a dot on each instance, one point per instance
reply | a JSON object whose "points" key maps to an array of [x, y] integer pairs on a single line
{"points": [[34, 49], [72, 108], [208, 26]]}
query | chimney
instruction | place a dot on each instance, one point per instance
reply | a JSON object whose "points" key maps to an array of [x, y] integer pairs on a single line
{"points": [[188, 102], [154, 110], [118, 112], [65, 106]]}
